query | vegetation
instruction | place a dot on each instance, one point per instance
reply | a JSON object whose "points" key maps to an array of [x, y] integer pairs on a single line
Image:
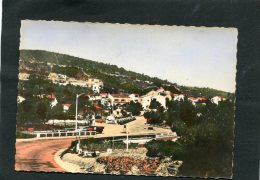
{"points": [[94, 144], [36, 106], [135, 108], [206, 141], [20, 135]]}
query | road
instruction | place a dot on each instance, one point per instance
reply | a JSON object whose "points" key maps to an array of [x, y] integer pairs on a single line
{"points": [[38, 155], [137, 126]]}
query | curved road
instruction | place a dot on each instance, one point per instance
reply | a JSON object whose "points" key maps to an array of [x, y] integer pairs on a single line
{"points": [[38, 155]]}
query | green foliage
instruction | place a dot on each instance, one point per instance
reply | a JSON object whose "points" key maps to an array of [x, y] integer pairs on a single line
{"points": [[26, 112], [74, 72], [154, 117], [94, 144], [155, 104], [42, 109], [134, 107], [20, 135], [206, 145], [205, 92], [162, 148]]}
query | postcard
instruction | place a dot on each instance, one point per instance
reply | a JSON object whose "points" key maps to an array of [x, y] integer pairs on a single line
{"points": [[126, 99]]}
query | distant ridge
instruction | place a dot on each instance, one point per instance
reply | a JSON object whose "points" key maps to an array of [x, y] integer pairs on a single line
{"points": [[116, 79]]}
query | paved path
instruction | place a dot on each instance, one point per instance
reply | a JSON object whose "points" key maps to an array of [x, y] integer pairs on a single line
{"points": [[38, 155]]}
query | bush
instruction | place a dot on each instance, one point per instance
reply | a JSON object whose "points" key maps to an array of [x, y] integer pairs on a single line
{"points": [[101, 144], [20, 135], [163, 148]]}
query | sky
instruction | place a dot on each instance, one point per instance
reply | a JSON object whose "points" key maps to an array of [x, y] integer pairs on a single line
{"points": [[191, 56]]}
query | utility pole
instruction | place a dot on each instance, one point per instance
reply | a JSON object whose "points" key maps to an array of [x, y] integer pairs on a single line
{"points": [[127, 140], [76, 114]]}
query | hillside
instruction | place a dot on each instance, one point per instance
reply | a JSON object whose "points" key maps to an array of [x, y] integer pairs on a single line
{"points": [[116, 79]]}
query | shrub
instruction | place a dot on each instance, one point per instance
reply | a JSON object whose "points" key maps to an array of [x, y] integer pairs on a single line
{"points": [[20, 135]]}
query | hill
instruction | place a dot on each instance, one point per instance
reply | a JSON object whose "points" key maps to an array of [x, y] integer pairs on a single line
{"points": [[116, 79]]}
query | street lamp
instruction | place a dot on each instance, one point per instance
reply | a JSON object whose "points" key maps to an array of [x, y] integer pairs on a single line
{"points": [[76, 114]]}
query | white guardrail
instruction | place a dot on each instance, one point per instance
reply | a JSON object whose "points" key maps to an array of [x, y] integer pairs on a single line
{"points": [[61, 133], [170, 134]]}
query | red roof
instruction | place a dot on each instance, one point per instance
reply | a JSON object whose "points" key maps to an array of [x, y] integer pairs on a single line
{"points": [[68, 105], [98, 107], [119, 96], [202, 99], [192, 98], [51, 96]]}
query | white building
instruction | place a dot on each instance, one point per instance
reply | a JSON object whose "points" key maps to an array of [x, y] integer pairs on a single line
{"points": [[178, 97], [62, 76], [95, 84], [147, 99], [193, 100], [118, 99], [66, 107], [217, 99], [134, 97], [96, 88], [54, 103], [93, 97]]}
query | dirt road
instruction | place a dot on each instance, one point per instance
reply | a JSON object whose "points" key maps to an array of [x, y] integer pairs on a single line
{"points": [[38, 155]]}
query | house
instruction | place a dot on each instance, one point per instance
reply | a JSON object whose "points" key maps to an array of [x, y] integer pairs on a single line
{"points": [[160, 95], [50, 96], [54, 101], [217, 99], [104, 95], [119, 99], [193, 100], [160, 91], [161, 99], [66, 107], [62, 76], [201, 99], [96, 88], [178, 97], [147, 99], [93, 97], [134, 97], [94, 84], [53, 77]]}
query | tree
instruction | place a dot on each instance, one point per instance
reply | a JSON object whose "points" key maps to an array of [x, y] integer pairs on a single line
{"points": [[206, 142], [41, 110], [56, 112], [135, 108], [155, 104]]}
